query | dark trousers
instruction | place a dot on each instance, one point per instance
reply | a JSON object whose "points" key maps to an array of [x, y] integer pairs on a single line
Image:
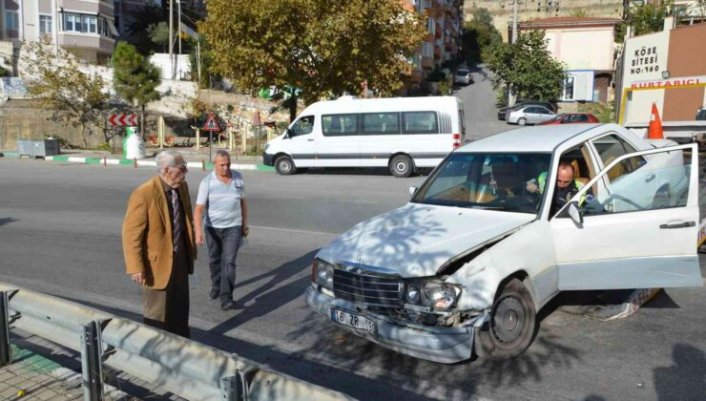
{"points": [[223, 244], [168, 309]]}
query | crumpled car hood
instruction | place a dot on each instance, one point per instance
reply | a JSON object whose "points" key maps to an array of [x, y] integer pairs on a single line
{"points": [[415, 240]]}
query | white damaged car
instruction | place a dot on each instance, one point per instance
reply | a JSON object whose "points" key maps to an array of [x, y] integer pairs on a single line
{"points": [[466, 265]]}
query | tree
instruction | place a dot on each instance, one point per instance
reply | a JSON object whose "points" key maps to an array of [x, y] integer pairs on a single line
{"points": [[323, 47], [135, 78], [644, 18], [159, 34], [479, 35], [75, 98], [527, 67]]}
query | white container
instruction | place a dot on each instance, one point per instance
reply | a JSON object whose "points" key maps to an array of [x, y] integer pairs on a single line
{"points": [[134, 146]]}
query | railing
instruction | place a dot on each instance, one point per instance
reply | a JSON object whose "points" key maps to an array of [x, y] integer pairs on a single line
{"points": [[188, 369]]}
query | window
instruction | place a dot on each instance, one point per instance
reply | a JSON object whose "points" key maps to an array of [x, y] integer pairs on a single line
{"points": [[12, 23], [568, 88], [303, 126], [381, 123], [45, 25], [339, 124], [420, 122], [610, 147], [72, 22], [88, 23], [661, 182]]}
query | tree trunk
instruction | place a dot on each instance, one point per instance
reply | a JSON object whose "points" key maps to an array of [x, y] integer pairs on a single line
{"points": [[292, 106], [83, 135]]}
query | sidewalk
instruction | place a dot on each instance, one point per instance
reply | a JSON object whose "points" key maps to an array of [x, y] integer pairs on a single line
{"points": [[41, 370], [195, 158]]}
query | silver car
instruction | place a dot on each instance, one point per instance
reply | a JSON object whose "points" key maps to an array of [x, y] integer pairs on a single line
{"points": [[463, 76], [529, 115]]}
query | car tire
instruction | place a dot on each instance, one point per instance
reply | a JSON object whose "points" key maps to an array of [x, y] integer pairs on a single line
{"points": [[401, 166], [511, 326], [285, 166], [522, 121]]}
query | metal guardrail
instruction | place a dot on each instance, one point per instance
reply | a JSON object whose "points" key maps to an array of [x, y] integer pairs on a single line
{"points": [[188, 369]]}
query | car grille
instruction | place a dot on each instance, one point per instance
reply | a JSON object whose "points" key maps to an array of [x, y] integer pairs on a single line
{"points": [[370, 288]]}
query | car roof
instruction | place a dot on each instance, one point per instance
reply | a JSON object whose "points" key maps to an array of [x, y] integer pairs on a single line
{"points": [[541, 138]]}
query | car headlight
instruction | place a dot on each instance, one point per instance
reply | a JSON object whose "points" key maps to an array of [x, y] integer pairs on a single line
{"points": [[432, 293], [322, 273]]}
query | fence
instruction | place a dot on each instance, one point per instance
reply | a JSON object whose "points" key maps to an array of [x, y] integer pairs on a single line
{"points": [[188, 369]]}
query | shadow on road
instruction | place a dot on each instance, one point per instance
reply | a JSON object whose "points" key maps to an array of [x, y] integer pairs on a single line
{"points": [[685, 379], [6, 220]]}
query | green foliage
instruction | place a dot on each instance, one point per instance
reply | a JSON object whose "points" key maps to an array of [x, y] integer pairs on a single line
{"points": [[579, 13], [602, 111], [134, 78], [649, 17], [201, 51], [4, 72], [138, 29], [159, 34], [104, 146], [54, 77], [527, 67], [326, 48], [479, 35]]}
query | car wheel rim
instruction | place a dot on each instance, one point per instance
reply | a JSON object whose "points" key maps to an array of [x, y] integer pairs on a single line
{"points": [[401, 167], [284, 166], [508, 320]]}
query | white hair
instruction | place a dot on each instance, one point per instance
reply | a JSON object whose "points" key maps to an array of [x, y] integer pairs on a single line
{"points": [[167, 158]]}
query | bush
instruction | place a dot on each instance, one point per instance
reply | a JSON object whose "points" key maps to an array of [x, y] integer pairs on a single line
{"points": [[602, 111]]}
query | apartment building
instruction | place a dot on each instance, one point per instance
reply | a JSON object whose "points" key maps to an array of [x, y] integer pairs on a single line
{"points": [[83, 27], [444, 25]]}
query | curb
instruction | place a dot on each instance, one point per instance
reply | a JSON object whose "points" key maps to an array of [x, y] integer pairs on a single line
{"points": [[105, 161]]}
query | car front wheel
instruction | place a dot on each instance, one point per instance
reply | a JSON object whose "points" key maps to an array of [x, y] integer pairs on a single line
{"points": [[285, 166], [511, 326]]}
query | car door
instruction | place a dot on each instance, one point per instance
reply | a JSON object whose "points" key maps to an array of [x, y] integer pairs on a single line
{"points": [[543, 114], [531, 114], [628, 238], [301, 141]]}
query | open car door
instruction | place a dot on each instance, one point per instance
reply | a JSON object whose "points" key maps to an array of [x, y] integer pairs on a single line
{"points": [[639, 230]]}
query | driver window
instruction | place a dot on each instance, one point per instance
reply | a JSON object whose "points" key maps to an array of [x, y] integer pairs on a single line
{"points": [[303, 126], [661, 182]]}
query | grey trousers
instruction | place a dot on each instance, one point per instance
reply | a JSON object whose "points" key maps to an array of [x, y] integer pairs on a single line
{"points": [[223, 245]]}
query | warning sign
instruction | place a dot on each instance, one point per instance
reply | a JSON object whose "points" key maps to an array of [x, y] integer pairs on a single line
{"points": [[211, 124]]}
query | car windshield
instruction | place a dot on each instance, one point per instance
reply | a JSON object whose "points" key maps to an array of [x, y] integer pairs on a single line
{"points": [[494, 181]]}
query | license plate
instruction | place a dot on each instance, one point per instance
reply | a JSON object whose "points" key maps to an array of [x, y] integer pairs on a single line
{"points": [[353, 320]]}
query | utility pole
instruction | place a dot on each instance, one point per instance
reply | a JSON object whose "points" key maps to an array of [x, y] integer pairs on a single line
{"points": [[179, 23], [511, 98], [171, 38]]}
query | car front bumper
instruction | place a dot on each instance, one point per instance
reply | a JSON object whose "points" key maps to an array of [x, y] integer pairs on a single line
{"points": [[438, 344], [268, 159]]}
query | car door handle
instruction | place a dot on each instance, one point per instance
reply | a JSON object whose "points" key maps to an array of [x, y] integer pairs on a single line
{"points": [[650, 178], [678, 225], [310, 140]]}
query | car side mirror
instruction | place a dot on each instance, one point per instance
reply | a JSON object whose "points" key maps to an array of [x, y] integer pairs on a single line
{"points": [[287, 133], [575, 213], [412, 190]]}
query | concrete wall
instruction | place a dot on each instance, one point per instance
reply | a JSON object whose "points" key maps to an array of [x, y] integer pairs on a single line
{"points": [[583, 48]]}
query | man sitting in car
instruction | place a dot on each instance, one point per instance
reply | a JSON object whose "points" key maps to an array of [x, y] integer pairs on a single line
{"points": [[566, 186]]}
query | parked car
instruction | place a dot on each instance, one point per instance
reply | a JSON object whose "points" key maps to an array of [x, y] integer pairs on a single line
{"points": [[529, 115], [503, 110], [571, 118], [467, 264], [701, 114], [463, 76]]}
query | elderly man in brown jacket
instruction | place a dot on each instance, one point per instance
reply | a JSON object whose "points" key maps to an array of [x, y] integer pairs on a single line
{"points": [[158, 244]]}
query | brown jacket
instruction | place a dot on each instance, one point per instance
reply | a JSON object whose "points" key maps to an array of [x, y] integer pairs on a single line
{"points": [[147, 233]]}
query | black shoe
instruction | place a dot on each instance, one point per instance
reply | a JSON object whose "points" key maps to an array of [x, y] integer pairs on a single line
{"points": [[228, 305], [214, 293]]}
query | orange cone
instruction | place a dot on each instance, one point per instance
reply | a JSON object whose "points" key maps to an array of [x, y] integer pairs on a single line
{"points": [[654, 131]]}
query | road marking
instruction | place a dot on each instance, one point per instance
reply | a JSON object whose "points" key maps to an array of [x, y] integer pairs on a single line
{"points": [[294, 230]]}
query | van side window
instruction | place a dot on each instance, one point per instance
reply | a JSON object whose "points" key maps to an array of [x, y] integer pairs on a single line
{"points": [[303, 126], [381, 123], [420, 122], [339, 124]]}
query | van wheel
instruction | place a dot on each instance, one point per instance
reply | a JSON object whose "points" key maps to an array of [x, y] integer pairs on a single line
{"points": [[285, 166], [401, 166], [511, 326], [522, 121]]}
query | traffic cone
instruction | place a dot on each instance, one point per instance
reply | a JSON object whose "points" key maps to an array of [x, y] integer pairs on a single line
{"points": [[654, 131]]}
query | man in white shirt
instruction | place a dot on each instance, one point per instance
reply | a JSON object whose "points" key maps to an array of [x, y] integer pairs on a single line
{"points": [[225, 222]]}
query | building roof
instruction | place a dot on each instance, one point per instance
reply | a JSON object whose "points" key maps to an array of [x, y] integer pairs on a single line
{"points": [[564, 22]]}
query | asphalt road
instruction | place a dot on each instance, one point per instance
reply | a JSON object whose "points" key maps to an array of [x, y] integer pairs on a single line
{"points": [[60, 233]]}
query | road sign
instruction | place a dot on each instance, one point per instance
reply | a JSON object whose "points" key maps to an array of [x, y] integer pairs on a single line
{"points": [[123, 119], [211, 124]]}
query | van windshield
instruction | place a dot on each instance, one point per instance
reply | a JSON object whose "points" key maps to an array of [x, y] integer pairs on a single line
{"points": [[495, 181]]}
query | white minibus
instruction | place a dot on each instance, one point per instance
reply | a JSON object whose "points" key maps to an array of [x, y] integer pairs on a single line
{"points": [[403, 134]]}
